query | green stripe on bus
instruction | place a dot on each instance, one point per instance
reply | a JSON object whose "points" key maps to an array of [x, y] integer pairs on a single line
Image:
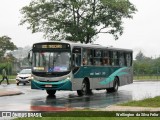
{"points": [[118, 72]]}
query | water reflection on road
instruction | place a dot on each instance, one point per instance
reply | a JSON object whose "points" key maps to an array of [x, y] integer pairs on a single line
{"points": [[97, 100], [101, 99], [66, 100]]}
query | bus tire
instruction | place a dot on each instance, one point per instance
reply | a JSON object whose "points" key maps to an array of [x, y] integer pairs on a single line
{"points": [[51, 92], [115, 86], [85, 89]]}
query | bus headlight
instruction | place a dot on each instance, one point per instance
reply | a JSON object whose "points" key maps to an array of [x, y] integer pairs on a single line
{"points": [[68, 78]]}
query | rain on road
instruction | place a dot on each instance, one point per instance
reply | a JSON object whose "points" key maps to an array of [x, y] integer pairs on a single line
{"points": [[38, 100]]}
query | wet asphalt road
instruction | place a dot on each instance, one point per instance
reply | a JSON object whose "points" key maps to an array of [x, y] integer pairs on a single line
{"points": [[38, 100]]}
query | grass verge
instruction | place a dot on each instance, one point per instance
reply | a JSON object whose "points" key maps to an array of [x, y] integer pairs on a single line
{"points": [[149, 102], [145, 77], [12, 79]]}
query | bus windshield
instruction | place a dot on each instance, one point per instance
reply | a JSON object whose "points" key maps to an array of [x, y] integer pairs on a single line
{"points": [[51, 61]]}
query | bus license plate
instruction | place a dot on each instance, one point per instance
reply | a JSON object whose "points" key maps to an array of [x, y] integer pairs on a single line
{"points": [[48, 86]]}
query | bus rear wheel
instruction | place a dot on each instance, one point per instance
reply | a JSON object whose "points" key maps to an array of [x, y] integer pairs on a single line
{"points": [[115, 86], [85, 89], [51, 92]]}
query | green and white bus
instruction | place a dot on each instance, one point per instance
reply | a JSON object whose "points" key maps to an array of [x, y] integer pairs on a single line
{"points": [[79, 67]]}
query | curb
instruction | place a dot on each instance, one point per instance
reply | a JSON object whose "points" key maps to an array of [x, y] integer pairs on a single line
{"points": [[9, 93]]}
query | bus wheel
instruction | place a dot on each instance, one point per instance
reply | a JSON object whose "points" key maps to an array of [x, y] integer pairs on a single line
{"points": [[115, 86], [51, 92], [85, 89]]}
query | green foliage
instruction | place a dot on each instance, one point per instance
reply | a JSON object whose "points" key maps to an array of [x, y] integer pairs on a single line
{"points": [[6, 61], [2, 65], [6, 44], [140, 56], [77, 20], [7, 65], [145, 65]]}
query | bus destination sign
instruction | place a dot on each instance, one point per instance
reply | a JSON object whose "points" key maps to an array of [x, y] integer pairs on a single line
{"points": [[52, 46]]}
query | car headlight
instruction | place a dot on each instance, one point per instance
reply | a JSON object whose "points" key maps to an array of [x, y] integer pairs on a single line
{"points": [[30, 77]]}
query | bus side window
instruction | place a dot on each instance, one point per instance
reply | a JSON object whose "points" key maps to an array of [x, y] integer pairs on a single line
{"points": [[76, 56], [90, 56], [115, 59], [128, 59], [97, 57], [87, 56], [111, 62], [78, 60], [121, 59], [105, 59], [84, 61]]}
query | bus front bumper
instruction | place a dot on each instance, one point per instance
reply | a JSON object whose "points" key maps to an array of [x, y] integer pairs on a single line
{"points": [[60, 85]]}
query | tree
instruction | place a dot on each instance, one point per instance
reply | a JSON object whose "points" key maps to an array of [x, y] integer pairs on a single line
{"points": [[141, 57], [6, 44], [77, 20], [143, 64]]}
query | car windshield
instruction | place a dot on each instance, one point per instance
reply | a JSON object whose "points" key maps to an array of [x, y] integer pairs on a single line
{"points": [[25, 71], [51, 61]]}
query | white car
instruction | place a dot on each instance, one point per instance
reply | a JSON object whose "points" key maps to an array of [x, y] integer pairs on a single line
{"points": [[24, 76]]}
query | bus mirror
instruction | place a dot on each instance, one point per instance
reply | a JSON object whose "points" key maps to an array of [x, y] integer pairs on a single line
{"points": [[30, 57], [73, 60]]}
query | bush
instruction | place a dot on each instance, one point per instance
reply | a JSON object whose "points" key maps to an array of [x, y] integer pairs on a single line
{"points": [[8, 67]]}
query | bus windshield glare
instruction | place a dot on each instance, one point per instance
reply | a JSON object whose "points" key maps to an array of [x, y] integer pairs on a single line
{"points": [[57, 61]]}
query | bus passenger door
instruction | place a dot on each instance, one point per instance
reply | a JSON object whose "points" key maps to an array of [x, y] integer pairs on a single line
{"points": [[76, 63]]}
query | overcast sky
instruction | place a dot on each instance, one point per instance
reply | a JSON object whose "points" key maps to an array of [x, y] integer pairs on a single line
{"points": [[140, 33]]}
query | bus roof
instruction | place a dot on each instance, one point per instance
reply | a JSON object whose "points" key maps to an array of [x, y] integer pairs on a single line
{"points": [[87, 45]]}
